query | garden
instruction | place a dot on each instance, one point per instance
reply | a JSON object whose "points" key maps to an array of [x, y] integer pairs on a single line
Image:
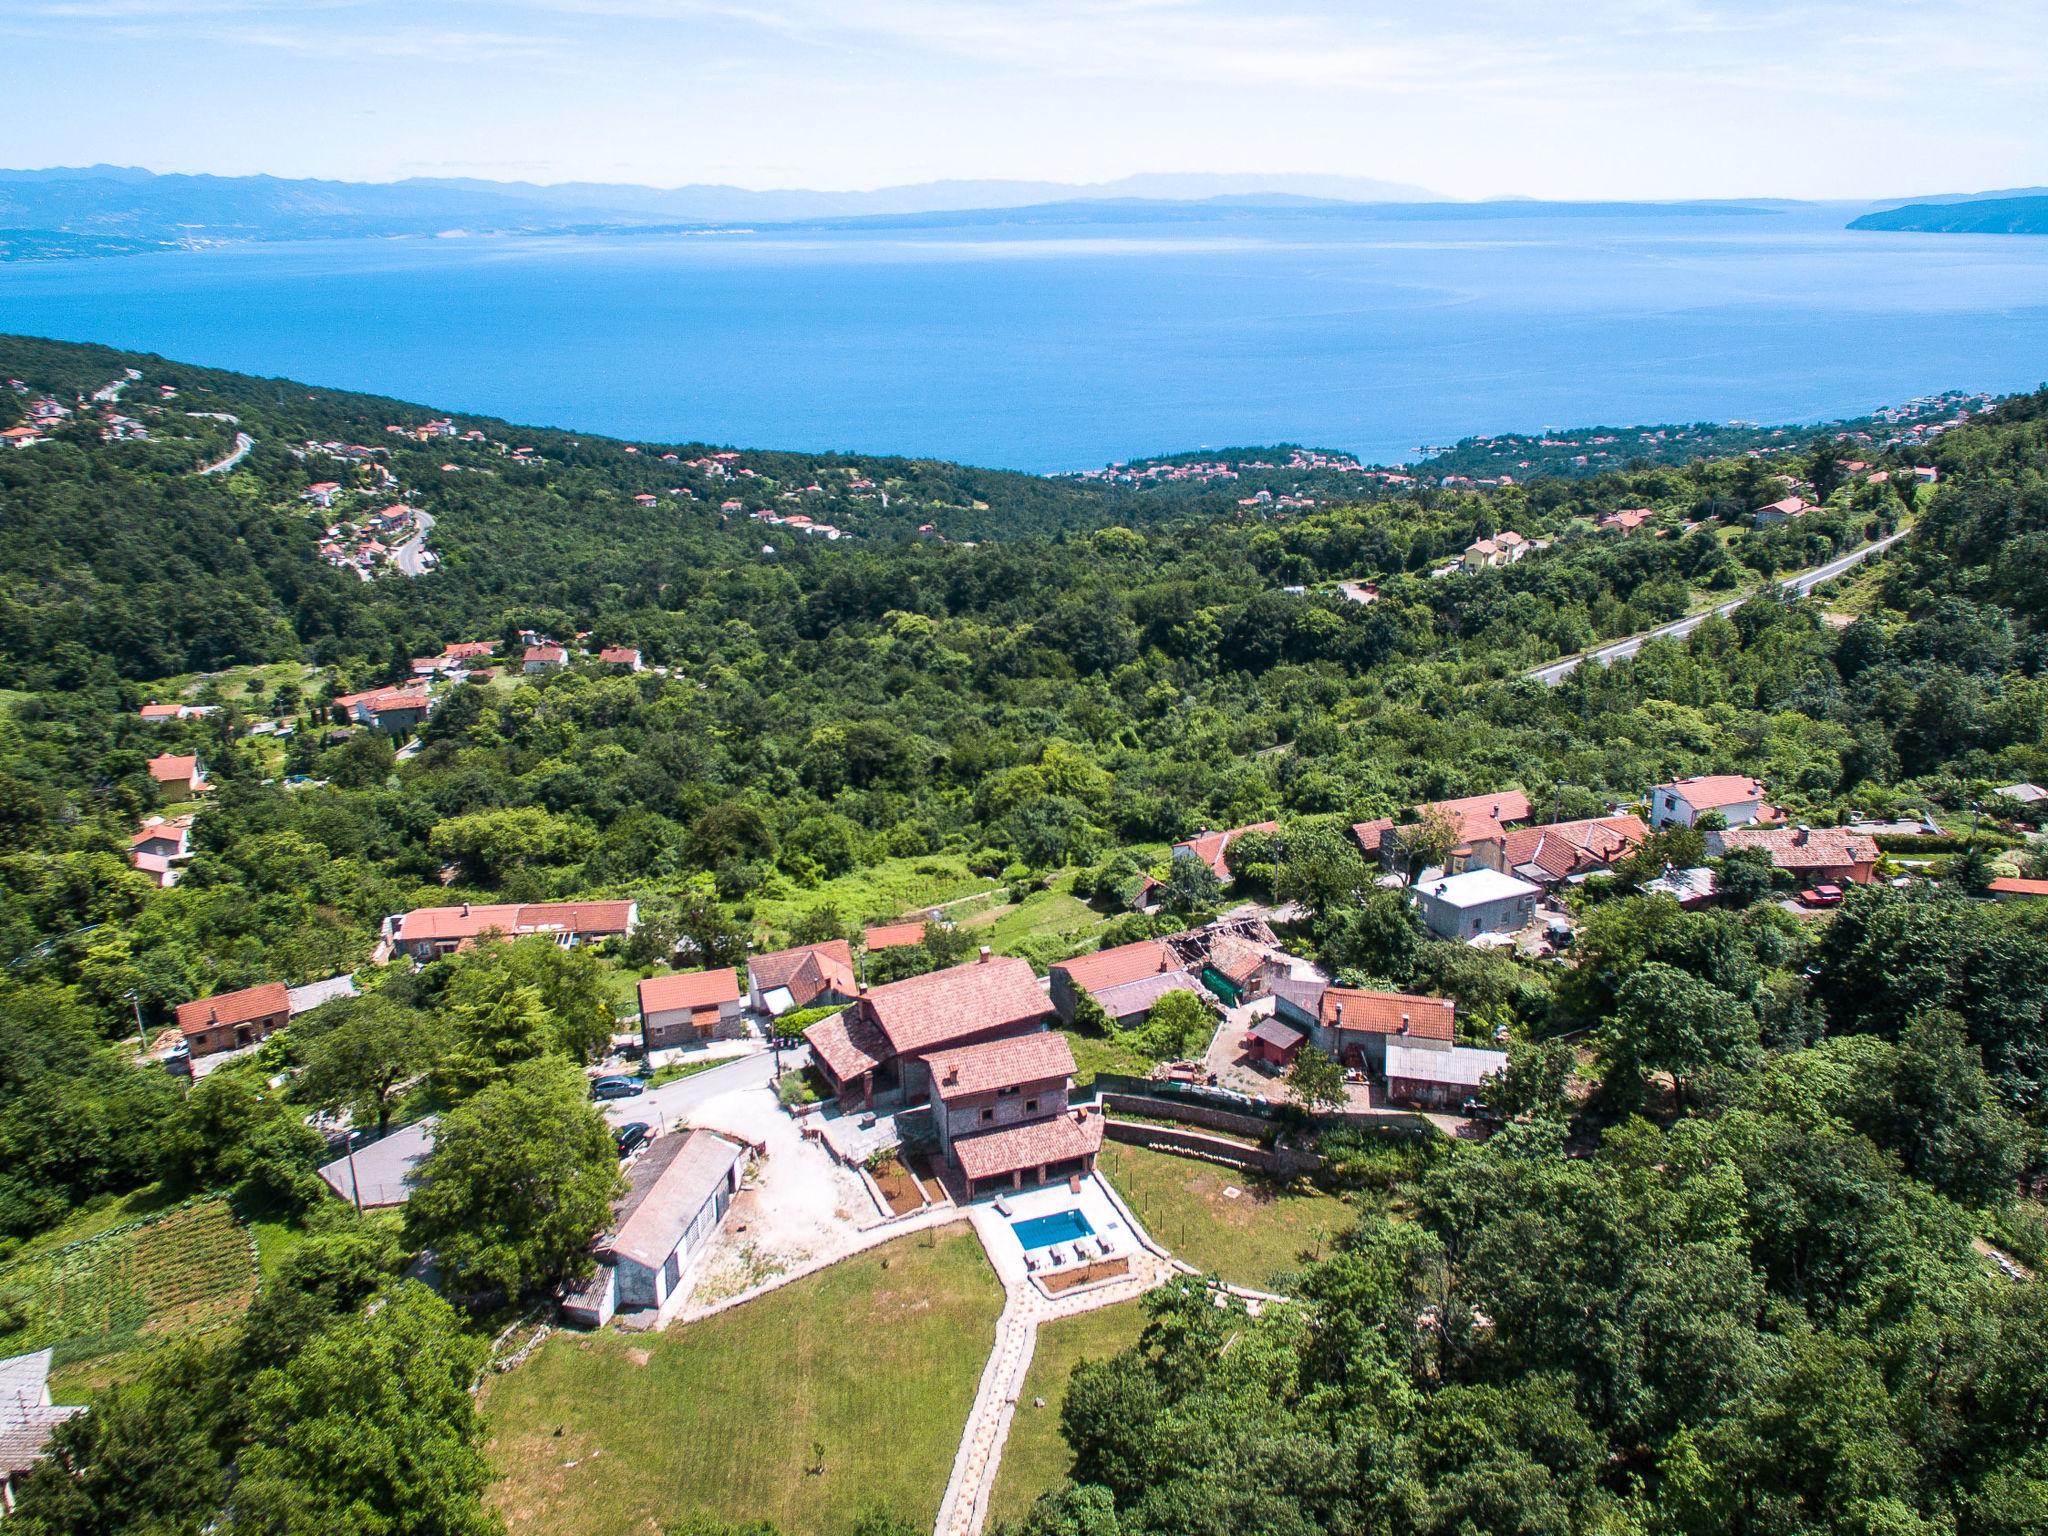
{"points": [[1225, 1221]]}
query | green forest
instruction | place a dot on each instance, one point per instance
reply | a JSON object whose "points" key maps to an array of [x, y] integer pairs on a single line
{"points": [[1721, 1268]]}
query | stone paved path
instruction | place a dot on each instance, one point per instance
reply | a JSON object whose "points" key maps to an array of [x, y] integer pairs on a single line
{"points": [[965, 1506]]}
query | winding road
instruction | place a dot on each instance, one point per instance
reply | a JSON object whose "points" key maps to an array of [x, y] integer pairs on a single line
{"points": [[1799, 585], [243, 443], [411, 557]]}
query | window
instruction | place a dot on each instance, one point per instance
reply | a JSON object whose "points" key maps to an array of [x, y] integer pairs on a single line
{"points": [[1008, 1093], [987, 1115], [1031, 1106]]}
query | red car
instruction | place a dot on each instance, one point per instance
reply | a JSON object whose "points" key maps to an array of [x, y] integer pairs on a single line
{"points": [[1822, 896]]}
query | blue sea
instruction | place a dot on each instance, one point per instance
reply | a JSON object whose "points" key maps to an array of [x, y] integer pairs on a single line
{"points": [[1061, 348]]}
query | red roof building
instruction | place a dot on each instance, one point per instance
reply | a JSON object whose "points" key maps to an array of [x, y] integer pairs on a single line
{"points": [[807, 977], [876, 1044], [693, 1006], [892, 936], [2011, 888], [228, 1020], [429, 931], [178, 773], [1831, 855], [1212, 847], [1565, 850]]}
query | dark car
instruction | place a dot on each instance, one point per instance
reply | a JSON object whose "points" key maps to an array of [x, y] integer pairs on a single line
{"points": [[616, 1088], [633, 1135]]}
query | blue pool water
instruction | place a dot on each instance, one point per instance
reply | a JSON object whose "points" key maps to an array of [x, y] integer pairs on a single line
{"points": [[1044, 1231], [1044, 348]]}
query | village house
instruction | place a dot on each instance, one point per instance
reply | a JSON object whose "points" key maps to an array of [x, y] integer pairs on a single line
{"points": [[626, 656], [28, 1419], [1824, 855], [677, 1194], [1352, 1025], [1690, 888], [545, 658], [1237, 970], [321, 493], [427, 932], [1127, 980], [160, 712], [228, 1020], [1273, 1044], [178, 776], [1738, 798], [1502, 549], [892, 936], [1478, 820], [1001, 1112], [811, 976], [1625, 522], [1476, 903], [1782, 511], [1563, 851], [875, 1047], [1213, 847], [159, 846], [393, 711], [692, 1007]]}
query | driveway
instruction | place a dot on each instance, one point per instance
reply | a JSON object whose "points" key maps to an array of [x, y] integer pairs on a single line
{"points": [[672, 1104]]}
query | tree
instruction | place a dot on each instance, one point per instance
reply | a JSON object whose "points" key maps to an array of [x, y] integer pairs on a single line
{"points": [[520, 1179], [1316, 1081], [237, 1131], [1930, 1099], [514, 1001], [1190, 886], [1535, 1082], [1427, 841], [1668, 1020], [1747, 876], [371, 1429], [1379, 937], [358, 1067]]}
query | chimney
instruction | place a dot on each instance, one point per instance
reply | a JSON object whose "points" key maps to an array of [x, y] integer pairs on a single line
{"points": [[1802, 835], [1404, 1023], [1338, 1019], [465, 909], [863, 989], [986, 953]]}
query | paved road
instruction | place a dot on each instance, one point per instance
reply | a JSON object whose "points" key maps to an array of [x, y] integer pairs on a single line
{"points": [[243, 443], [671, 1103], [1799, 586], [411, 557]]}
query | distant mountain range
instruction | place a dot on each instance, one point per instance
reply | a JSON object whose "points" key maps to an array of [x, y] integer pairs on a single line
{"points": [[2024, 215], [113, 210]]}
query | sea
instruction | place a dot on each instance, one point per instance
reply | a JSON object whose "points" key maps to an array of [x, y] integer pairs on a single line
{"points": [[1066, 347]]}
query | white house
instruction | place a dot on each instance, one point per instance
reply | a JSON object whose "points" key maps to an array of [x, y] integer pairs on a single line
{"points": [[679, 1191], [1681, 803], [1477, 902]]}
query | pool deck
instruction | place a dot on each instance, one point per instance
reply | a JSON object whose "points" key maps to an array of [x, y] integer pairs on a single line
{"points": [[1006, 1251]]}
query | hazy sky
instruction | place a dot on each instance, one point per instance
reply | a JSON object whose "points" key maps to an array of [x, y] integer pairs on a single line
{"points": [[1470, 97]]}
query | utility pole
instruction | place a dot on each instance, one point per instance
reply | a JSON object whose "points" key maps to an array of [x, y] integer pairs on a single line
{"points": [[141, 1038]]}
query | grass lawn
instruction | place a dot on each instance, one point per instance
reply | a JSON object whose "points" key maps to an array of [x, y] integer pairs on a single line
{"points": [[1035, 1458], [1093, 1054], [1054, 919], [881, 890], [1264, 1231], [875, 1360]]}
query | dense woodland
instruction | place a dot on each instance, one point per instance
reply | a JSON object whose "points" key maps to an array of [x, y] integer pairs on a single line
{"points": [[1714, 1274]]}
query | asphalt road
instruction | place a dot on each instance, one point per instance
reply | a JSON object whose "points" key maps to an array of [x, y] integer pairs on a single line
{"points": [[411, 556], [1799, 586], [671, 1103], [243, 443]]}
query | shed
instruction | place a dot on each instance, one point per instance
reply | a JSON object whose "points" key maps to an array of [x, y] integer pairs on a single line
{"points": [[1273, 1043]]}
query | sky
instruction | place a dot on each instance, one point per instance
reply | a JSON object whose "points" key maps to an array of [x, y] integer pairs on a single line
{"points": [[1472, 98]]}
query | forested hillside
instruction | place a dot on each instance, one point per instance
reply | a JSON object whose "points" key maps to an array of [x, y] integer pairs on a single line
{"points": [[1713, 1274]]}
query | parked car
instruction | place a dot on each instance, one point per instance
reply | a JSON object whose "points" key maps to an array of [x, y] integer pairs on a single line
{"points": [[1822, 896], [633, 1135], [616, 1088]]}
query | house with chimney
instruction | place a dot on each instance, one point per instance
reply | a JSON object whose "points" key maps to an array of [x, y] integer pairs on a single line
{"points": [[1822, 855], [159, 846], [876, 1047], [1681, 803], [1563, 852], [1352, 1025], [1002, 1114], [426, 932], [228, 1021], [28, 1420], [178, 775]]}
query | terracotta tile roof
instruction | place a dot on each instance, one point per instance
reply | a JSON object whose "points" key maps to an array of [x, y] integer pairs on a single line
{"points": [[1012, 1063], [1381, 1013], [1031, 1146], [1132, 997], [159, 711], [234, 1007], [1211, 847], [1798, 848], [2008, 885], [1235, 960], [463, 649], [982, 996], [1713, 791], [173, 831], [619, 655], [173, 768], [546, 653], [1115, 967], [1479, 818], [691, 989], [806, 971], [1566, 848], [512, 919], [848, 1045], [893, 935]]}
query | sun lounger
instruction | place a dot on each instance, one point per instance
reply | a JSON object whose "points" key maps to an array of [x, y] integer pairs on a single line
{"points": [[1030, 1262], [1002, 1206]]}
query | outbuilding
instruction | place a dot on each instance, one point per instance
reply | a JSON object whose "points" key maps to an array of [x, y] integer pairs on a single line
{"points": [[1475, 903]]}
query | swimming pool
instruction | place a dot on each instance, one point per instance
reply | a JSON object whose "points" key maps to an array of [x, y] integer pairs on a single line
{"points": [[1044, 1231]]}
